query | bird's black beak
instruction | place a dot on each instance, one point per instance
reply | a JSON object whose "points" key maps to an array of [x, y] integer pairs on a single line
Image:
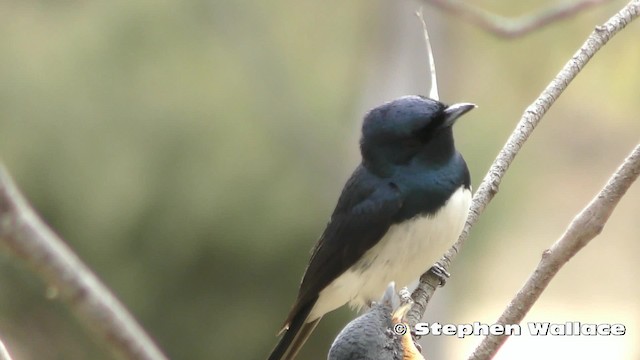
{"points": [[453, 112]]}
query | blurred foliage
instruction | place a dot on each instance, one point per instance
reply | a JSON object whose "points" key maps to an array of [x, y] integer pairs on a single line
{"points": [[191, 151]]}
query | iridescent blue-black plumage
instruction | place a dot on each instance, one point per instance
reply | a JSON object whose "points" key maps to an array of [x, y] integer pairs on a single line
{"points": [[410, 168]]}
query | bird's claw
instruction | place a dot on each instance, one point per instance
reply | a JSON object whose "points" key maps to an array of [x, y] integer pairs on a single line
{"points": [[440, 273], [418, 346], [415, 338]]}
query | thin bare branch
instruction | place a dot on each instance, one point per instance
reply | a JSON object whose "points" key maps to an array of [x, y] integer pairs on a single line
{"points": [[4, 353], [26, 236], [585, 226], [530, 119], [513, 27], [433, 92]]}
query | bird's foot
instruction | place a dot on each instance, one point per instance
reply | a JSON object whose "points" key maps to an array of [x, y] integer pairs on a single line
{"points": [[415, 338], [440, 273], [418, 346], [369, 304]]}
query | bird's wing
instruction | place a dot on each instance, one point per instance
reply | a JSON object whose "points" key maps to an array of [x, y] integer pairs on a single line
{"points": [[364, 213]]}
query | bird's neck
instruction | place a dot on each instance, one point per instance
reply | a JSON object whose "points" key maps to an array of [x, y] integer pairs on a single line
{"points": [[437, 153], [439, 150]]}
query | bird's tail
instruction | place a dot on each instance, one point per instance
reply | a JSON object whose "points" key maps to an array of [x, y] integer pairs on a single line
{"points": [[295, 336]]}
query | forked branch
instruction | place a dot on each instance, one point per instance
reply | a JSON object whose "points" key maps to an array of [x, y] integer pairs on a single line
{"points": [[530, 119], [513, 27]]}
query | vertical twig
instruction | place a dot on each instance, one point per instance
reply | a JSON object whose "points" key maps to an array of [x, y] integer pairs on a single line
{"points": [[433, 92]]}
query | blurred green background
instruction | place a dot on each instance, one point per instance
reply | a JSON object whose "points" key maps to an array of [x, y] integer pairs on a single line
{"points": [[191, 152]]}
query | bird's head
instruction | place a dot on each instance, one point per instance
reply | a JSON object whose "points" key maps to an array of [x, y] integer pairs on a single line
{"points": [[408, 128]]}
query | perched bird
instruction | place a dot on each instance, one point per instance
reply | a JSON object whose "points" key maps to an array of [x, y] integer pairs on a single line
{"points": [[400, 210], [375, 335]]}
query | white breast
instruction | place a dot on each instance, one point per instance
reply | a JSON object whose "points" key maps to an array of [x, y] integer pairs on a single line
{"points": [[405, 252]]}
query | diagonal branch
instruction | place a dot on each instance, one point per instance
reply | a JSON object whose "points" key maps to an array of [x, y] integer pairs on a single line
{"points": [[4, 353], [512, 28], [530, 119], [24, 234], [584, 227]]}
